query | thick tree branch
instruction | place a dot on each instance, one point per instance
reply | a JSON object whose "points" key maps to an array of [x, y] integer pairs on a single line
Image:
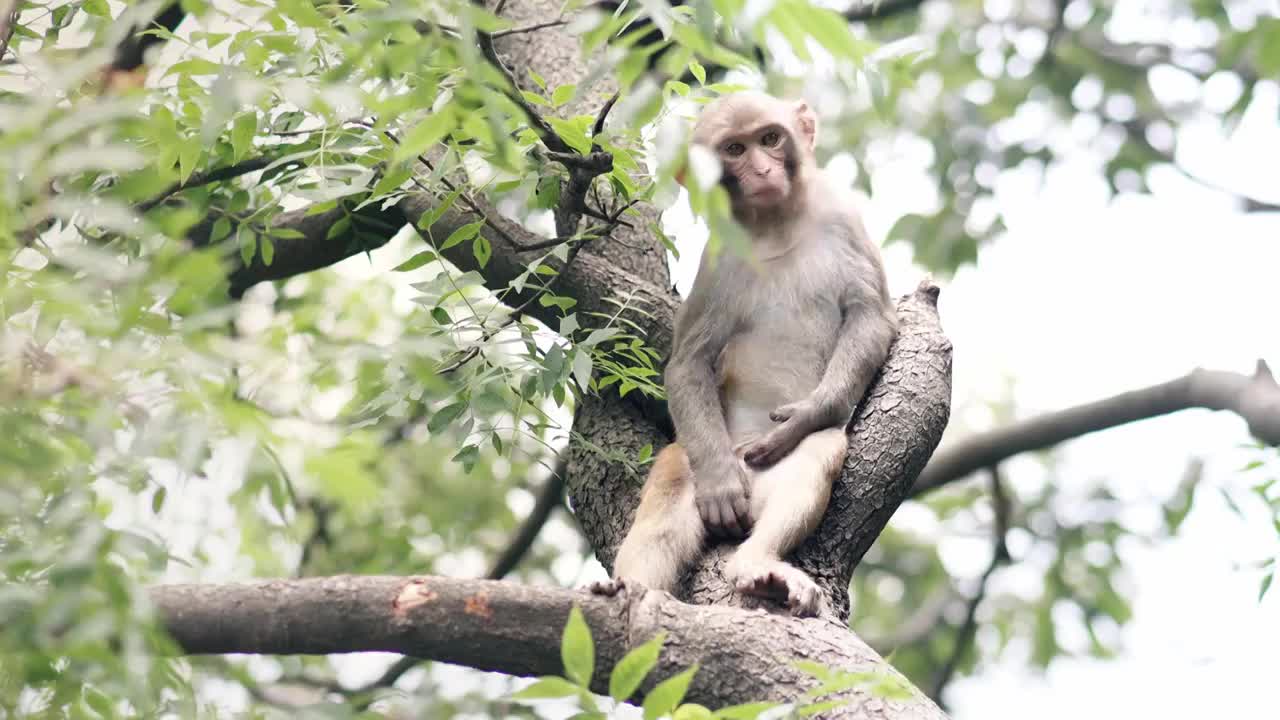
{"points": [[1254, 398], [515, 629], [370, 227]]}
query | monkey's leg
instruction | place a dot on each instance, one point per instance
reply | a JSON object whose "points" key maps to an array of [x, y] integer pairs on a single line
{"points": [[787, 503], [667, 532]]}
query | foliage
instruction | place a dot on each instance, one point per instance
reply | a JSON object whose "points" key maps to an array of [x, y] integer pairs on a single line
{"points": [[665, 698]]}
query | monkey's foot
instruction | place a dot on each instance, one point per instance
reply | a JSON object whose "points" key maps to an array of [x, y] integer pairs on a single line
{"points": [[608, 588], [783, 582]]}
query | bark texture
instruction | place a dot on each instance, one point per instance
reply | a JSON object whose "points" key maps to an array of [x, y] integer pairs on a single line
{"points": [[743, 656]]}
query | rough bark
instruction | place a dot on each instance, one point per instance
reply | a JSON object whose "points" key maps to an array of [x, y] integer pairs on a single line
{"points": [[743, 656]]}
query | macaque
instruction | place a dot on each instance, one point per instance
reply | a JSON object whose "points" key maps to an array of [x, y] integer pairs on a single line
{"points": [[771, 357]]}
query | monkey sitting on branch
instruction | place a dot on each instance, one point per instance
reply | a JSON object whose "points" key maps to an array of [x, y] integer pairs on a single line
{"points": [[769, 362]]}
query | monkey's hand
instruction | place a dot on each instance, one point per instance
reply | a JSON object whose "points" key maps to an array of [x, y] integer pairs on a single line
{"points": [[720, 492], [795, 421]]}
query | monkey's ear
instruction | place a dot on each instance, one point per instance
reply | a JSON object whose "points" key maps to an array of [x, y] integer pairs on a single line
{"points": [[807, 122]]}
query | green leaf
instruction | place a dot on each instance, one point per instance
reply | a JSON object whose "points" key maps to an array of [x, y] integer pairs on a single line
{"points": [[415, 262], [444, 417], [692, 711], [746, 711], [632, 669], [221, 229], [157, 500], [563, 94], [97, 7], [268, 250], [645, 453], [340, 227], [188, 156], [100, 703], [430, 217], [194, 66], [577, 650], [1266, 585], [815, 708], [698, 71], [425, 134], [242, 132], [667, 695], [582, 369], [547, 193], [248, 241], [547, 688], [462, 234], [481, 249], [573, 132]]}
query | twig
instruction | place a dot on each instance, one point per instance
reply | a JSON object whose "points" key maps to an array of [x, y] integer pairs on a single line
{"points": [[600, 118], [8, 23], [540, 126], [548, 500], [880, 9], [999, 556], [205, 178], [919, 625], [528, 28], [319, 536]]}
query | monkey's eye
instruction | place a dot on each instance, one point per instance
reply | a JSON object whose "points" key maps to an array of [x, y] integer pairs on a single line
{"points": [[735, 149], [770, 138]]}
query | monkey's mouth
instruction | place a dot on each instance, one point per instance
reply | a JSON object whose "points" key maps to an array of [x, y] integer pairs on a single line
{"points": [[767, 192]]}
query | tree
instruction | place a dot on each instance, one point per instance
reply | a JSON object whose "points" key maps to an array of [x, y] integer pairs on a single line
{"points": [[159, 180]]}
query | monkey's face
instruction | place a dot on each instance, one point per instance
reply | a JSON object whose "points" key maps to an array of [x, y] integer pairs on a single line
{"points": [[763, 144], [759, 167]]}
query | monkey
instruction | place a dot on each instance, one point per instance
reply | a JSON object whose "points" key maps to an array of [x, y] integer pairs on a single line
{"points": [[770, 359]]}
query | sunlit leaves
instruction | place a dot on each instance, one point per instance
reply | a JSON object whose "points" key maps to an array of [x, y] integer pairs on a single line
{"points": [[632, 669], [577, 650], [666, 695]]}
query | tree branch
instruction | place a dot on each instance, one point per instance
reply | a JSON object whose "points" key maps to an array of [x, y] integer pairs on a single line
{"points": [[515, 629], [1254, 398], [131, 52], [999, 556], [8, 23], [316, 248], [548, 500], [230, 172], [1136, 130], [880, 9]]}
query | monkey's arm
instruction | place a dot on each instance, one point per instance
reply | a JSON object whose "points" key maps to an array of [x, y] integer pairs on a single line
{"points": [[693, 397]]}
